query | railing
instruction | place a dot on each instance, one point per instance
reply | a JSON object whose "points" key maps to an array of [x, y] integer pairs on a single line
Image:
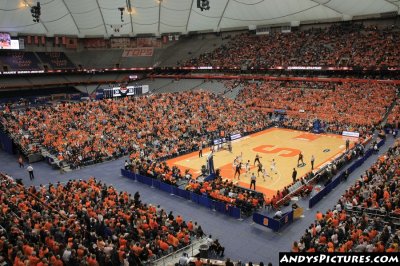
{"points": [[222, 207], [172, 258], [35, 197], [395, 218]]}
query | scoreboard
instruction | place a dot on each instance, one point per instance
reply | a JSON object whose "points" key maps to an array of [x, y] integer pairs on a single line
{"points": [[125, 91], [7, 43]]}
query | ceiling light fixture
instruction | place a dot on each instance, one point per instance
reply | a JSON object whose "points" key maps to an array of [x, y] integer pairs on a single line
{"points": [[36, 12], [121, 9], [203, 4]]}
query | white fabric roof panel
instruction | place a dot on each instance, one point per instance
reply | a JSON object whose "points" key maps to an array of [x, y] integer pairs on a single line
{"points": [[364, 7], [275, 11], [174, 15], [95, 17], [87, 16], [61, 20]]}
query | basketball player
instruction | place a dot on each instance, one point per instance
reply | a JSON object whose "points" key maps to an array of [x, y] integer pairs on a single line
{"points": [[260, 167], [240, 157], [257, 159], [236, 161], [273, 167], [237, 171], [300, 159], [247, 166], [265, 174]]}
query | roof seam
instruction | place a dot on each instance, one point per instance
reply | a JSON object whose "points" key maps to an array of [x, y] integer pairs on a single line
{"points": [[73, 19], [102, 17]]}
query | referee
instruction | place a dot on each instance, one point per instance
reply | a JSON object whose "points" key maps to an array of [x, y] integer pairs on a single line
{"points": [[200, 149], [253, 181], [294, 175]]}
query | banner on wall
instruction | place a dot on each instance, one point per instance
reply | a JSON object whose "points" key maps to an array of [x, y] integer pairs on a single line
{"points": [[235, 136], [72, 43], [120, 43], [133, 52], [219, 141], [95, 43], [351, 134], [148, 42]]}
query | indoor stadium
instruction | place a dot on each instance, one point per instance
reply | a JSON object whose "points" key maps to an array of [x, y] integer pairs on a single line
{"points": [[199, 132]]}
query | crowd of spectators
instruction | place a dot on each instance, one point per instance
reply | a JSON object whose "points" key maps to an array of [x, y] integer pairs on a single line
{"points": [[218, 189], [362, 220], [348, 106], [158, 170], [347, 44], [228, 192], [394, 116], [87, 132], [85, 223], [365, 109], [90, 132]]}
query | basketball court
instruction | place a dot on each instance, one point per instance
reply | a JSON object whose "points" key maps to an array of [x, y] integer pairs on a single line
{"points": [[282, 145]]}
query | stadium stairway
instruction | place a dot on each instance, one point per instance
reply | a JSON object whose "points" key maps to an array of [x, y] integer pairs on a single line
{"points": [[234, 92], [181, 85], [157, 84], [216, 87], [186, 48], [89, 89], [160, 85], [384, 120], [95, 58], [55, 162]]}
